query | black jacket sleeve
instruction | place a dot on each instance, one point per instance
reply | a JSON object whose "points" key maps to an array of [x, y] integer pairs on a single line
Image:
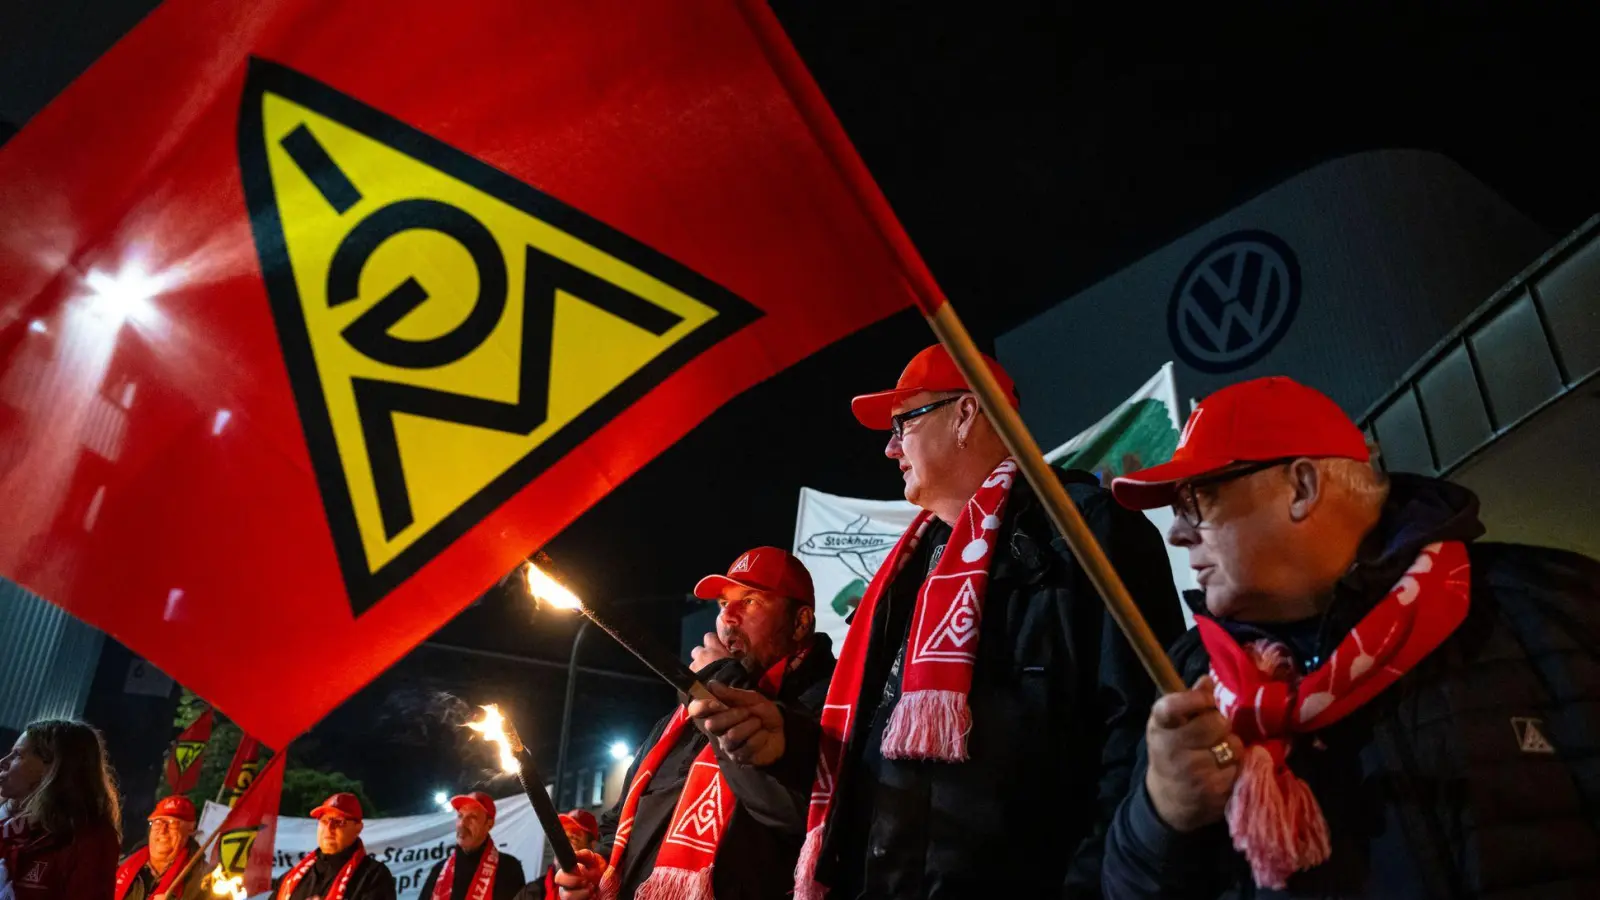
{"points": [[431, 880], [1123, 690], [507, 881], [377, 885], [1146, 858], [778, 796]]}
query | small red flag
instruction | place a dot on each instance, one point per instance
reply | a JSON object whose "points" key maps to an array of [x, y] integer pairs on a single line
{"points": [[244, 849], [315, 318], [183, 760], [242, 771]]}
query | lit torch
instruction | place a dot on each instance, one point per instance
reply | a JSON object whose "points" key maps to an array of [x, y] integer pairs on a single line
{"points": [[545, 587], [515, 758], [232, 888]]}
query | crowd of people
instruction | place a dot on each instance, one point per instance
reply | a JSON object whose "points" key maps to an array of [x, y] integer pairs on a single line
{"points": [[1379, 704]]}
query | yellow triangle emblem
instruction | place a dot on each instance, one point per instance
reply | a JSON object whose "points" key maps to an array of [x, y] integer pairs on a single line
{"points": [[450, 331], [236, 845], [187, 752]]}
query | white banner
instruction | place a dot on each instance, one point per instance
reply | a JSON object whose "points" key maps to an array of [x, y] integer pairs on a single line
{"points": [[843, 540], [408, 845]]}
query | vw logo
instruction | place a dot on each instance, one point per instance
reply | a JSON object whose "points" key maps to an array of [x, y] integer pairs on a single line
{"points": [[1234, 301]]}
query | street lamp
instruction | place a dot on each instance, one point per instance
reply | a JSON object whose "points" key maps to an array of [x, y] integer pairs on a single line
{"points": [[443, 799], [619, 750]]}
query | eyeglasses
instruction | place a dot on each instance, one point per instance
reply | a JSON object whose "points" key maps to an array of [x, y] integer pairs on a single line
{"points": [[166, 825], [1186, 504], [897, 424], [334, 822]]}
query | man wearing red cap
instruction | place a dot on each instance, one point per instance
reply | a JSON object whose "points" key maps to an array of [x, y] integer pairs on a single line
{"points": [[981, 725], [582, 831], [475, 869], [725, 820], [340, 869], [152, 871], [1382, 707]]}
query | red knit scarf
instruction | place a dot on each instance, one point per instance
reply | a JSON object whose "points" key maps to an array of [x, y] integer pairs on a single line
{"points": [[705, 807], [931, 719], [129, 870], [292, 879], [482, 880], [1273, 817]]}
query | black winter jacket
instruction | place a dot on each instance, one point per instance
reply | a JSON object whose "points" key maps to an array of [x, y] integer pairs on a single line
{"points": [[1437, 787], [1058, 701], [756, 857]]}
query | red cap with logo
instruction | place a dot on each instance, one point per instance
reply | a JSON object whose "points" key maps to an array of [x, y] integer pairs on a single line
{"points": [[476, 798], [346, 805], [176, 806], [1254, 421], [583, 820], [933, 371], [762, 569]]}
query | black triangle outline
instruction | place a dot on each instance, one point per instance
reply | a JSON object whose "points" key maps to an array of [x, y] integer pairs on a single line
{"points": [[364, 587]]}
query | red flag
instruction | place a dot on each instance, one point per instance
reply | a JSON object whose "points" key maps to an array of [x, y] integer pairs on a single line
{"points": [[183, 759], [242, 771], [245, 846], [316, 317]]}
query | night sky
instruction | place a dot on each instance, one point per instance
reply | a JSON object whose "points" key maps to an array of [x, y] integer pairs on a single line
{"points": [[1030, 149]]}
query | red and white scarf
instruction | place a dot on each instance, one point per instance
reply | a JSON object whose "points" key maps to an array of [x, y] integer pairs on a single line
{"points": [[292, 879], [129, 870], [932, 718], [1273, 817], [482, 880], [683, 864]]}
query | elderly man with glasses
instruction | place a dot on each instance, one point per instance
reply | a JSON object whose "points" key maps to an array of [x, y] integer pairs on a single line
{"points": [[152, 872], [1382, 706], [980, 727]]}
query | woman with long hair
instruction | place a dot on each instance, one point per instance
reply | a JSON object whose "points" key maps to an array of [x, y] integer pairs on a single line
{"points": [[60, 831]]}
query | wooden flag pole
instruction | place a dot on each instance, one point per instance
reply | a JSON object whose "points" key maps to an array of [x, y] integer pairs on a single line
{"points": [[831, 137], [1062, 511]]}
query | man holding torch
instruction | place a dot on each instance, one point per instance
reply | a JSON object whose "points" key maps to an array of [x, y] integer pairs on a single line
{"points": [[152, 871], [475, 868], [340, 868], [726, 818], [982, 684]]}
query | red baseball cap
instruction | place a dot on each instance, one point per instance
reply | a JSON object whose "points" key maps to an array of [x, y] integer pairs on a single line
{"points": [[931, 370], [763, 569], [1253, 421], [344, 804], [176, 806], [476, 798], [583, 820]]}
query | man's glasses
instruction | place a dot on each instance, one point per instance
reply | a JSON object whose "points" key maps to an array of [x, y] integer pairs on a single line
{"points": [[897, 424], [1186, 502]]}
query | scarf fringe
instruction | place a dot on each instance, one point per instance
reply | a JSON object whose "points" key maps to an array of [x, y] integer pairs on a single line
{"points": [[806, 886], [1275, 821], [676, 884], [610, 883], [929, 725]]}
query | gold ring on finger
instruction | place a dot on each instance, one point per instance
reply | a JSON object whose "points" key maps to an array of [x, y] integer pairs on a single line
{"points": [[1223, 754]]}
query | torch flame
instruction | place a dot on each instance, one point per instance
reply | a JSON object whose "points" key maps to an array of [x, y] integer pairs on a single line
{"points": [[493, 729], [543, 587], [227, 887]]}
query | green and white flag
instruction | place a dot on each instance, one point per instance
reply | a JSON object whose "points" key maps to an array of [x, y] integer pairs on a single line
{"points": [[1141, 432]]}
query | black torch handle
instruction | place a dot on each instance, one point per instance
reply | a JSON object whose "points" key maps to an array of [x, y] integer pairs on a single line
{"points": [[669, 667], [545, 808]]}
